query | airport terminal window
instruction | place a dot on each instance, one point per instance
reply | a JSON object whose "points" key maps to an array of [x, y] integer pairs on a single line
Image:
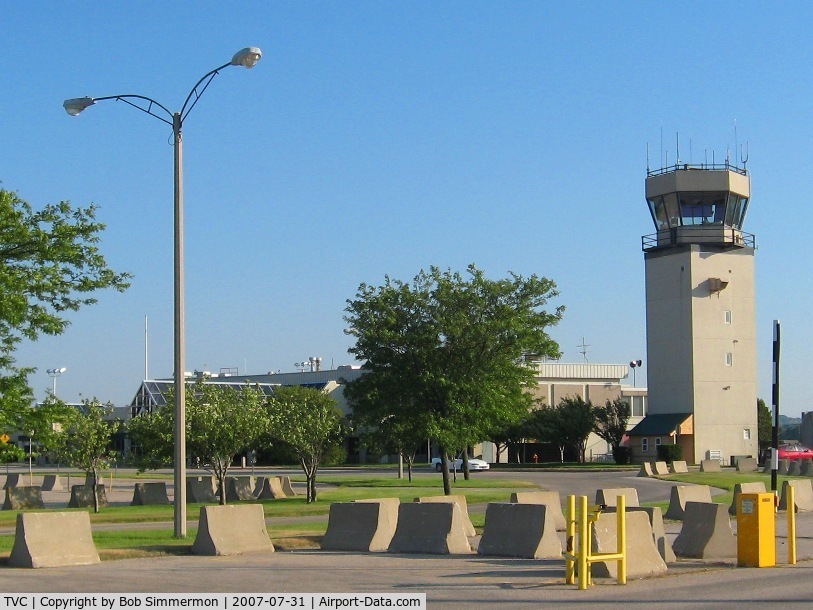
{"points": [[638, 405]]}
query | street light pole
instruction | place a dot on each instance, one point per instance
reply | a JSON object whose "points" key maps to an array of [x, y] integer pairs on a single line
{"points": [[247, 58], [54, 373]]}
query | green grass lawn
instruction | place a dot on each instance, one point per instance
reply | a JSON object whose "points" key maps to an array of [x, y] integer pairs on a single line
{"points": [[136, 542]]}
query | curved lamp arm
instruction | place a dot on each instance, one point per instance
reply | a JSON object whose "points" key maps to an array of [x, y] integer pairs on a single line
{"points": [[247, 58]]}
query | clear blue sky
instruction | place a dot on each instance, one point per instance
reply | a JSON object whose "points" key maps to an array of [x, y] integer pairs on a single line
{"points": [[380, 138]]}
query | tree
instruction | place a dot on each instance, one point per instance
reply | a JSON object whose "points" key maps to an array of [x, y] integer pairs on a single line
{"points": [[221, 422], [764, 425], [86, 441], [569, 424], [447, 351], [49, 265], [611, 425], [308, 421]]}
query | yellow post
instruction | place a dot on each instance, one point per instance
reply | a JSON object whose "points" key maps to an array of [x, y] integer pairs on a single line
{"points": [[570, 547], [584, 544], [791, 525], [621, 538]]}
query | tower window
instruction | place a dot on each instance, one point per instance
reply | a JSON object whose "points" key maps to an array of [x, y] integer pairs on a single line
{"points": [[727, 316], [729, 359], [746, 434]]}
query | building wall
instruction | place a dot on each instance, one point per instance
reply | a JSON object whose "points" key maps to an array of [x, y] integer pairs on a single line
{"points": [[701, 359]]}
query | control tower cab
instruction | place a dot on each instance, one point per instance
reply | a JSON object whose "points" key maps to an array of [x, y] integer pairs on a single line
{"points": [[700, 313]]}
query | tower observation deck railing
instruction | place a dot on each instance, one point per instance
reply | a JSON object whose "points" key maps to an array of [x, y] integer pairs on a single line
{"points": [[700, 234], [714, 167]]}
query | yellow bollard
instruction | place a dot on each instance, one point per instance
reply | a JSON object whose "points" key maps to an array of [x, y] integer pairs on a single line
{"points": [[621, 538], [570, 565], [791, 503], [584, 544]]}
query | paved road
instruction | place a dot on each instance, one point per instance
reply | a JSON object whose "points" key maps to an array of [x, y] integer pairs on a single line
{"points": [[453, 582]]}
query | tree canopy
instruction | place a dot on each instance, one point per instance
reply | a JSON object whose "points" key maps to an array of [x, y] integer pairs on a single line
{"points": [[611, 425], [447, 352], [309, 421], [221, 422], [50, 264]]}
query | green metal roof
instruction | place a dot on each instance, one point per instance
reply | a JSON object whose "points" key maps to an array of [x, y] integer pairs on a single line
{"points": [[661, 423]]}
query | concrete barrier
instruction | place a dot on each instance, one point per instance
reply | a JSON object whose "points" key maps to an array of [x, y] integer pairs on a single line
{"points": [[430, 527], [49, 540], [679, 467], [89, 481], [643, 558], [783, 466], [806, 467], [12, 480], [520, 530], [802, 495], [794, 468], [150, 493], [551, 499], [460, 500], [200, 489], [285, 481], [52, 482], [22, 498], [646, 470], [82, 496], [660, 468], [366, 526], [231, 530], [710, 466], [745, 488], [706, 533], [239, 489], [658, 530], [269, 488], [609, 496], [686, 493], [745, 464]]}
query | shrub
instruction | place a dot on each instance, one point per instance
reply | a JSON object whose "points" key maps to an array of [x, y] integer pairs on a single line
{"points": [[670, 453], [622, 454]]}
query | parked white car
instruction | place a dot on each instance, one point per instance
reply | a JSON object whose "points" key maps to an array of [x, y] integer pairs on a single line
{"points": [[474, 464]]}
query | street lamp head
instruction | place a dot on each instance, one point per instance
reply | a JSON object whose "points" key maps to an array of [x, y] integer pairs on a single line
{"points": [[247, 58], [77, 104]]}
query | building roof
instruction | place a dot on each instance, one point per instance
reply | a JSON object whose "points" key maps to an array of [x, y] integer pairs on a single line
{"points": [[660, 423]]}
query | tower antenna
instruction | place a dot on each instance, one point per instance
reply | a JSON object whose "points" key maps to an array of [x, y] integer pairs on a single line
{"points": [[583, 350], [647, 158], [677, 148]]}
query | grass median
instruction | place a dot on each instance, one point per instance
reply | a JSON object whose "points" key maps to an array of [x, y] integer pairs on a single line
{"points": [[147, 531]]}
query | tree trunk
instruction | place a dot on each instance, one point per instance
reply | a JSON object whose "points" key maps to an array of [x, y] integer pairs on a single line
{"points": [[466, 472], [93, 479], [444, 468], [221, 485]]}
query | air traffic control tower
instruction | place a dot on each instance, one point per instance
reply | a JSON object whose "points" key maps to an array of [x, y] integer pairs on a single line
{"points": [[700, 310]]}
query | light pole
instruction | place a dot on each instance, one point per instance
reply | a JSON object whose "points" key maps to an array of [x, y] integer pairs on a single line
{"points": [[633, 365], [247, 58], [54, 373]]}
